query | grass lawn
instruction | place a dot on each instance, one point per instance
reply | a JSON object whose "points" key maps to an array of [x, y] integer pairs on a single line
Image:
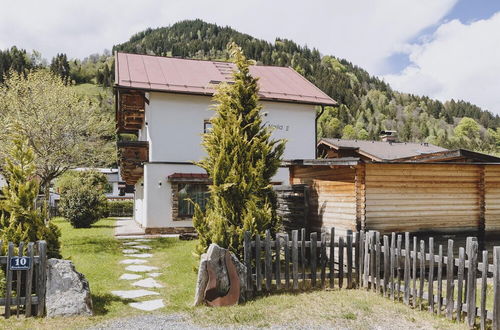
{"points": [[96, 254]]}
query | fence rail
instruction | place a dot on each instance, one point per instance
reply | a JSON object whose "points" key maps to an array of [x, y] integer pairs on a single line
{"points": [[396, 266], [25, 289]]}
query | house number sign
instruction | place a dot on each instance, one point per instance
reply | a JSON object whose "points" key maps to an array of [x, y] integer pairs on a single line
{"points": [[20, 263]]}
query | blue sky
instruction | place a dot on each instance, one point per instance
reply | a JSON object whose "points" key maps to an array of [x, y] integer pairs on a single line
{"points": [[466, 11], [441, 48]]}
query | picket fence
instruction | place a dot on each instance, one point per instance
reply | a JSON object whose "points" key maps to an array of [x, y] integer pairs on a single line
{"points": [[25, 289], [395, 266]]}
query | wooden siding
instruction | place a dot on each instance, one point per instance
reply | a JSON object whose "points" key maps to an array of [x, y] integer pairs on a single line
{"points": [[332, 198], [492, 197], [423, 197]]}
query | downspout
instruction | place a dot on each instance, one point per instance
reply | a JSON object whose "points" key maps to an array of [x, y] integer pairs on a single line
{"points": [[316, 131]]}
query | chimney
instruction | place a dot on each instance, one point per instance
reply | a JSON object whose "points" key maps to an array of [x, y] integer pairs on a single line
{"points": [[389, 136]]}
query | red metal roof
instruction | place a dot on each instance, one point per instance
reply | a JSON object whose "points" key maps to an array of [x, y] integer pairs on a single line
{"points": [[168, 74]]}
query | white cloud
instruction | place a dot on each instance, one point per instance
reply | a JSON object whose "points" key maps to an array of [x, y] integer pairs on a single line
{"points": [[365, 32], [460, 61]]}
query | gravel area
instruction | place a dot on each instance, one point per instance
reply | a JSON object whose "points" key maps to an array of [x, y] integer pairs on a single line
{"points": [[151, 321]]}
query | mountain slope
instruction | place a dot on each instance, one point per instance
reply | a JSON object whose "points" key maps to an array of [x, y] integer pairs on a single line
{"points": [[368, 104]]}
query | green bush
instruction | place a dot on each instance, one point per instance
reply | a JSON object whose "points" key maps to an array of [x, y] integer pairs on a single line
{"points": [[82, 205], [121, 208]]}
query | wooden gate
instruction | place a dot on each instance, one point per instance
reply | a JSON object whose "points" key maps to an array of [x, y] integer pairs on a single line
{"points": [[24, 288]]}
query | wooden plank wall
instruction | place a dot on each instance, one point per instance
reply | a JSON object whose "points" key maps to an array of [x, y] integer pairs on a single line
{"points": [[492, 197], [332, 198], [423, 197]]}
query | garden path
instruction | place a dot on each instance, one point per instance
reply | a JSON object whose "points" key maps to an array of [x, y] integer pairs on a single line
{"points": [[140, 274]]}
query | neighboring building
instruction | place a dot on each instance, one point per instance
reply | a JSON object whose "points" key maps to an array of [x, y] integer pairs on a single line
{"points": [[390, 186], [118, 190], [166, 103]]}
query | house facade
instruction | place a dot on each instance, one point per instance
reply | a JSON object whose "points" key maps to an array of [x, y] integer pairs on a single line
{"points": [[165, 104]]}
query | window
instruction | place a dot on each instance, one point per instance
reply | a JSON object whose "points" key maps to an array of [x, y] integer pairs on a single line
{"points": [[207, 126], [197, 192]]}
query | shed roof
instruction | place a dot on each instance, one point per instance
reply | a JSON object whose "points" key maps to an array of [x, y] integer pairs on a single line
{"points": [[383, 151], [176, 75]]}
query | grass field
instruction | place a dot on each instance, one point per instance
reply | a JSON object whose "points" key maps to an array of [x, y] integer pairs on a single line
{"points": [[96, 254]]}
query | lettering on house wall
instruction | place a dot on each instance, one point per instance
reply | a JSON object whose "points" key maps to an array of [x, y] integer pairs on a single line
{"points": [[279, 127]]}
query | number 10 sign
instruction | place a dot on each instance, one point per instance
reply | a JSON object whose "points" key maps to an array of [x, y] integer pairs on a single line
{"points": [[20, 263]]}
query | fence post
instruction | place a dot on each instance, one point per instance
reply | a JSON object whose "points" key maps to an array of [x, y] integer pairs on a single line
{"points": [[398, 266], [42, 250], [349, 259], [361, 256], [29, 280], [387, 255], [393, 265], [8, 283], [440, 280], [323, 259], [268, 268], [277, 272], [248, 261], [295, 259], [377, 260], [406, 297], [460, 286], [496, 288], [258, 263], [19, 280], [331, 263], [450, 280], [314, 249], [366, 269], [414, 274], [341, 262], [422, 274], [472, 281], [287, 262], [484, 276], [430, 293], [303, 256]]}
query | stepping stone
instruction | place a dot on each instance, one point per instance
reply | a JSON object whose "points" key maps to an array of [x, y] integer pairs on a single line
{"points": [[130, 251], [149, 305], [143, 240], [130, 243], [141, 247], [140, 255], [154, 274], [148, 283], [130, 277], [133, 261], [132, 294], [140, 268]]}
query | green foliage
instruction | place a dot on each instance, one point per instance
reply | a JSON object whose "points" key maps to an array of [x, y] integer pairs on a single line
{"points": [[60, 67], [241, 160], [21, 221], [120, 208], [82, 197], [65, 129], [467, 128], [366, 102]]}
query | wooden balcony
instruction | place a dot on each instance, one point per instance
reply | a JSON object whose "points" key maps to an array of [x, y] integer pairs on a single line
{"points": [[132, 155], [130, 111]]}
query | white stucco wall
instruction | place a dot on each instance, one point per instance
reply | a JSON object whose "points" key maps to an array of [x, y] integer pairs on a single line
{"points": [[3, 182], [175, 125], [174, 129], [139, 203], [158, 198]]}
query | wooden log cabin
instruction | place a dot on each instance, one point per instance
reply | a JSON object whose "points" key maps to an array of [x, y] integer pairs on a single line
{"points": [[390, 186]]}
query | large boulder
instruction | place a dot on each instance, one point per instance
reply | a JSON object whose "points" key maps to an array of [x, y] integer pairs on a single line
{"points": [[215, 258], [68, 292]]}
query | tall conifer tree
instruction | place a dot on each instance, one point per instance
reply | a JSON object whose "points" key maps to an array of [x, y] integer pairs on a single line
{"points": [[241, 160]]}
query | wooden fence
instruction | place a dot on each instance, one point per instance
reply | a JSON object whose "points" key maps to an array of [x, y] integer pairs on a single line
{"points": [[395, 267], [24, 288], [283, 264]]}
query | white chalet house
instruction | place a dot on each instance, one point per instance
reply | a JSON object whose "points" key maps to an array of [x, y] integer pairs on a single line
{"points": [[166, 102]]}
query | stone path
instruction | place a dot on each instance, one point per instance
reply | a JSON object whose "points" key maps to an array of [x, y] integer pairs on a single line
{"points": [[140, 275]]}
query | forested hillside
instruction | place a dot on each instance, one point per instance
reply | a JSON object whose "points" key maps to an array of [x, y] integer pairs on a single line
{"points": [[368, 104]]}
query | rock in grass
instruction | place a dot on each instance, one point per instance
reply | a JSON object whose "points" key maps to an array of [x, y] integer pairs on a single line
{"points": [[215, 258], [68, 292]]}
